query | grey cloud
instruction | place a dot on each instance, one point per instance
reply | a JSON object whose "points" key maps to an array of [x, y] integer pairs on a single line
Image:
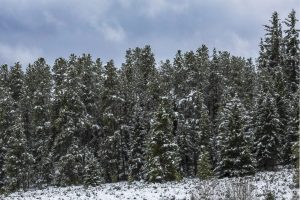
{"points": [[106, 28]]}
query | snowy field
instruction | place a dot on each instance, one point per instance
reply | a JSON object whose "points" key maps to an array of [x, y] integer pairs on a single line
{"points": [[280, 184]]}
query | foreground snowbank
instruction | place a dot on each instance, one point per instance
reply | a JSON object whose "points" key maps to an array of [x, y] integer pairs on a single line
{"points": [[278, 183]]}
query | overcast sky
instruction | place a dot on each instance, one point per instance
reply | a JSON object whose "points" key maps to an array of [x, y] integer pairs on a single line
{"points": [[106, 28]]}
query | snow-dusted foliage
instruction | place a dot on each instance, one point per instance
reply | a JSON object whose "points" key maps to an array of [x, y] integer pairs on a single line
{"points": [[279, 184], [235, 158], [162, 151], [203, 114]]}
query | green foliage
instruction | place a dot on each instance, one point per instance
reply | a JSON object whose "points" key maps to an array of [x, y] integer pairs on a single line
{"points": [[162, 152], [266, 141], [204, 170], [92, 171], [235, 155], [270, 196], [295, 150], [36, 116], [17, 161]]}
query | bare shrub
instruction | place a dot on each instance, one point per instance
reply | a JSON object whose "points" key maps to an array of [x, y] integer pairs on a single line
{"points": [[235, 189]]}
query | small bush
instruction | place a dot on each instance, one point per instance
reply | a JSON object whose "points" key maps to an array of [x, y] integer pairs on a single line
{"points": [[270, 196]]}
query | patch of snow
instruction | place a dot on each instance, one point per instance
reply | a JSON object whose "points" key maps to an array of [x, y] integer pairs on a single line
{"points": [[279, 183]]}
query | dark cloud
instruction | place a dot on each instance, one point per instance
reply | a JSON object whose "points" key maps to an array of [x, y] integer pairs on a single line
{"points": [[106, 28]]}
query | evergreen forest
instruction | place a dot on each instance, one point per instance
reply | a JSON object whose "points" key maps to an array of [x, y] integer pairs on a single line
{"points": [[204, 113]]}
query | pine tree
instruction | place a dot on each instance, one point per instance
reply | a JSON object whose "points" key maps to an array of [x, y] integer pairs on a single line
{"points": [[202, 62], [92, 174], [146, 101], [212, 98], [16, 80], [267, 131], [291, 77], [70, 120], [193, 130], [187, 128], [249, 84], [5, 119], [90, 92], [273, 44], [292, 51], [283, 104], [203, 123], [91, 88], [127, 88], [295, 156], [235, 156], [274, 59], [70, 168], [36, 110], [204, 170], [17, 159], [137, 146], [109, 146], [162, 152]]}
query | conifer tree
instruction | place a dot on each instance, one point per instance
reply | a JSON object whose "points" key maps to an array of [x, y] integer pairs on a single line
{"points": [[127, 93], [70, 166], [146, 101], [5, 119], [292, 52], [295, 156], [273, 44], [92, 172], [36, 110], [162, 152], [204, 168], [109, 146], [235, 157], [91, 88], [212, 98], [273, 58], [267, 131], [17, 159], [16, 80], [70, 119]]}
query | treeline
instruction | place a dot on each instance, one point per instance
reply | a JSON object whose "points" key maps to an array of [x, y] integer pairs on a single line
{"points": [[201, 114]]}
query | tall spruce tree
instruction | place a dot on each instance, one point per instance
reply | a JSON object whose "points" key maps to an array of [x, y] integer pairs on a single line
{"points": [[291, 61], [267, 132], [235, 156], [70, 122], [212, 97], [17, 160], [110, 138], [5, 118], [162, 151], [292, 52], [127, 92], [146, 100], [204, 166], [273, 44], [16, 80], [36, 109], [91, 90]]}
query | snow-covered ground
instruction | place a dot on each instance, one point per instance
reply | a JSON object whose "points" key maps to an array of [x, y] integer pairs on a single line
{"points": [[278, 183]]}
